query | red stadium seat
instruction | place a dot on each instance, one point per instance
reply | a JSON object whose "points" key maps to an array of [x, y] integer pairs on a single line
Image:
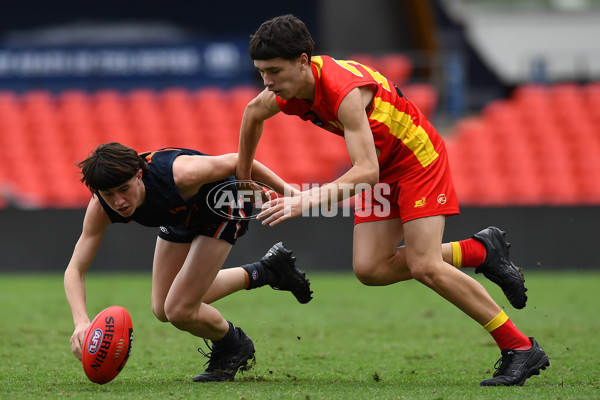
{"points": [[396, 67], [423, 95], [10, 105], [538, 147], [365, 59], [175, 95], [37, 97]]}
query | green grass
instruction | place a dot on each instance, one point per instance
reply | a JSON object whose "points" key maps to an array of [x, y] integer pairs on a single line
{"points": [[350, 342]]}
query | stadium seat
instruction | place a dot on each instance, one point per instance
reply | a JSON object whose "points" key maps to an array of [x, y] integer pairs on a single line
{"points": [[110, 113], [10, 106], [175, 95], [423, 95], [542, 138], [538, 147], [365, 59], [395, 67], [37, 97]]}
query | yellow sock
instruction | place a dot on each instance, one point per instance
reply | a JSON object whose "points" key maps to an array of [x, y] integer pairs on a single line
{"points": [[496, 322], [456, 254]]}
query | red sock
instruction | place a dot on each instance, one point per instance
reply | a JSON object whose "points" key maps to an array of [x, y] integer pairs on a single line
{"points": [[473, 253], [507, 336]]}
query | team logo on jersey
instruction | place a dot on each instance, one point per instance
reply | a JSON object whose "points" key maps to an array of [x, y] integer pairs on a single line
{"points": [[421, 203], [442, 199]]}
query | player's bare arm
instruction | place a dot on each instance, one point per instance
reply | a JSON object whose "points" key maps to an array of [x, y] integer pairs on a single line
{"points": [[263, 175], [191, 172], [364, 170], [359, 138], [261, 108], [94, 224]]}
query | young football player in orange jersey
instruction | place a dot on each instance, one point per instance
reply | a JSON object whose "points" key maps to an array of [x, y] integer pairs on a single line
{"points": [[399, 154]]}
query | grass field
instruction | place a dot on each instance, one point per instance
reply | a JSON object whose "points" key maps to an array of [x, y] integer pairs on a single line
{"points": [[350, 342]]}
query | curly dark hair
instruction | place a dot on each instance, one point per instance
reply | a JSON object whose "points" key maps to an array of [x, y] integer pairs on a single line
{"points": [[110, 165], [285, 36]]}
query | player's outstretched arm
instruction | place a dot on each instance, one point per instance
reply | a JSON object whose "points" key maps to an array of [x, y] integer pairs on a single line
{"points": [[363, 173], [191, 172], [359, 139], [261, 108], [262, 174], [94, 225]]}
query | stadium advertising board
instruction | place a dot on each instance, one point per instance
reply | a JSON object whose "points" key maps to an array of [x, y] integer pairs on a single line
{"points": [[194, 63]]}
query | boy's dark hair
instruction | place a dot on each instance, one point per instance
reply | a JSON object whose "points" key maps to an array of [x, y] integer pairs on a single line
{"points": [[285, 36], [110, 165]]}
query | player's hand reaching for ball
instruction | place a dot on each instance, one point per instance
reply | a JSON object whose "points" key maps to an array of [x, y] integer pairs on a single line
{"points": [[77, 338]]}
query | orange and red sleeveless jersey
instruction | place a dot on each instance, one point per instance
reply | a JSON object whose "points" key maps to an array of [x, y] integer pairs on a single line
{"points": [[404, 139]]}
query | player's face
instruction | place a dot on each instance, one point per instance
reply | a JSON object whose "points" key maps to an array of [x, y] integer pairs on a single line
{"points": [[125, 198], [286, 78]]}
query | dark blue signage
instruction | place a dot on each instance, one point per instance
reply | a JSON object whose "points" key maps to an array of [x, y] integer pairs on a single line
{"points": [[195, 64]]}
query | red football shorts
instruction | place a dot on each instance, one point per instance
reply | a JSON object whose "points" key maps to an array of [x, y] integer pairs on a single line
{"points": [[425, 193]]}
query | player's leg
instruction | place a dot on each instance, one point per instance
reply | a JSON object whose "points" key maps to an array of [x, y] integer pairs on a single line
{"points": [[227, 281], [423, 237], [377, 262], [486, 251], [168, 260], [376, 259], [277, 268], [524, 357], [279, 272], [184, 305], [185, 309]]}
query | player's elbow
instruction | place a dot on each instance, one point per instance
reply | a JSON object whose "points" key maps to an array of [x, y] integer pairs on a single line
{"points": [[366, 171], [370, 175], [231, 159]]}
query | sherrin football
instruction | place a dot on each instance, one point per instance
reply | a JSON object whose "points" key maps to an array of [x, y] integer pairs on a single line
{"points": [[107, 345]]}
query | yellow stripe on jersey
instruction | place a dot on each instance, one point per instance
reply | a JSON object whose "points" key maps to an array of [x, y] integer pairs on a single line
{"points": [[349, 66], [401, 126], [337, 124], [378, 78], [318, 61]]}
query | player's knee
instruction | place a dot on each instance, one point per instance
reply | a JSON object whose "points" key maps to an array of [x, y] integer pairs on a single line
{"points": [[367, 278], [366, 272], [177, 315], [159, 313], [158, 309], [422, 270]]}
